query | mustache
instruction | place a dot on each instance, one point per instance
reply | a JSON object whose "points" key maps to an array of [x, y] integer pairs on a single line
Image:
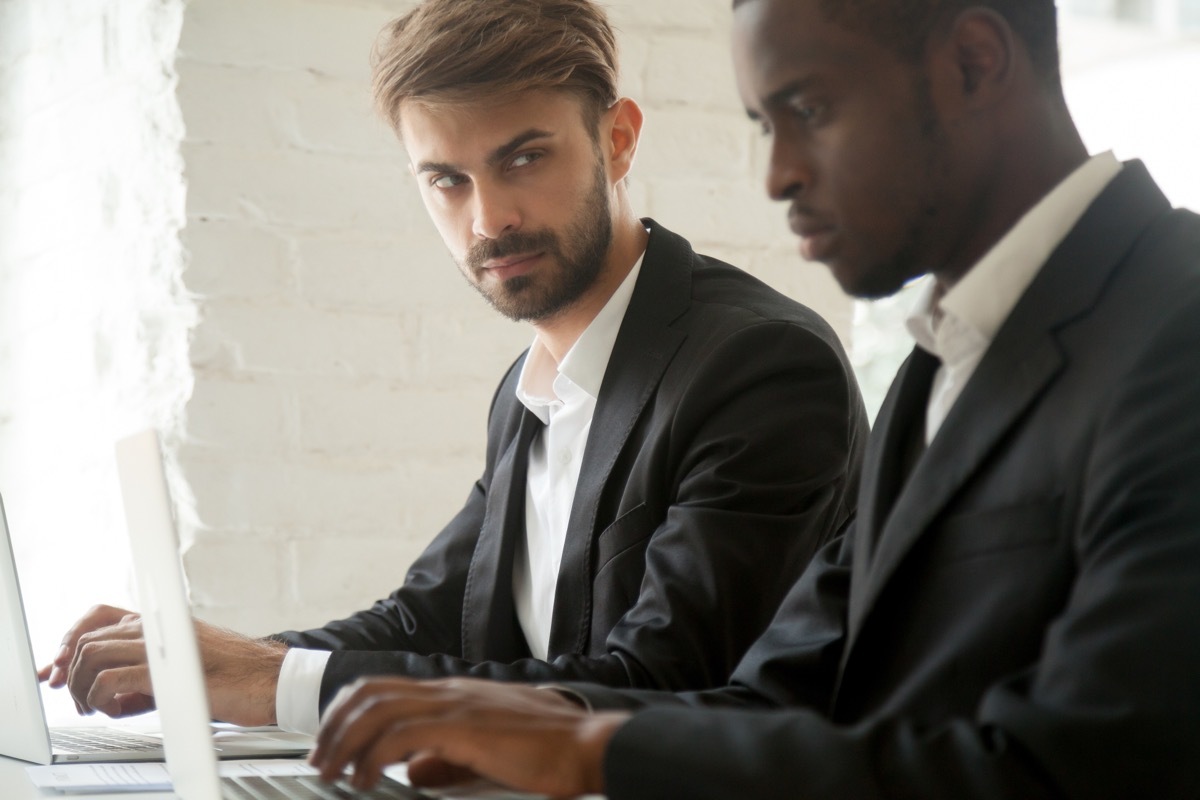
{"points": [[510, 245]]}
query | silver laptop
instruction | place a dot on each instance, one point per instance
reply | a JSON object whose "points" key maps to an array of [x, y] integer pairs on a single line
{"points": [[174, 657], [24, 733]]}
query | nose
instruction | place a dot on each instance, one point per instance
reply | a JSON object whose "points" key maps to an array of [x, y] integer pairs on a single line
{"points": [[789, 170], [495, 212]]}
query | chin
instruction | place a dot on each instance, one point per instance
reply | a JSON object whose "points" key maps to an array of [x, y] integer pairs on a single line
{"points": [[869, 283]]}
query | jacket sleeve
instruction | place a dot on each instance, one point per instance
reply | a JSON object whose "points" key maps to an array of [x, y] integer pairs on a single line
{"points": [[794, 663], [424, 614]]}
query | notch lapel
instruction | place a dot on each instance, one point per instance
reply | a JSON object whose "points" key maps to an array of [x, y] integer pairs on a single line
{"points": [[643, 349], [993, 401], [490, 630]]}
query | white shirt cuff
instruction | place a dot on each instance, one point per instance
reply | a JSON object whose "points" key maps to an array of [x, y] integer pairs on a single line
{"points": [[298, 693]]}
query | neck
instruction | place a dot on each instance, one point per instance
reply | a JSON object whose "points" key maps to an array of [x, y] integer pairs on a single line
{"points": [[1040, 154], [559, 333]]}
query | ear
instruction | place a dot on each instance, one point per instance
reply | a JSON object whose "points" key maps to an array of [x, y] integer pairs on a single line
{"points": [[620, 129], [983, 51]]}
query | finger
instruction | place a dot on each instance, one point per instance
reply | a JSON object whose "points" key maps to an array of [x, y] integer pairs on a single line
{"points": [[95, 657], [454, 743], [428, 770], [98, 641], [365, 719], [111, 684], [379, 753], [133, 703], [56, 671], [97, 617], [349, 702], [550, 755]]}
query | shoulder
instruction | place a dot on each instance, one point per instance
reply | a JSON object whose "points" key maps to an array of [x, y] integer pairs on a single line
{"points": [[729, 302]]}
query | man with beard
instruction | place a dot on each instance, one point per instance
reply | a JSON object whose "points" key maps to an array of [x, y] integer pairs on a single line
{"points": [[663, 461], [1015, 612]]}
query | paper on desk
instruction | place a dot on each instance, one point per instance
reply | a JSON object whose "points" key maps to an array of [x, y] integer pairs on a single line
{"points": [[145, 776]]}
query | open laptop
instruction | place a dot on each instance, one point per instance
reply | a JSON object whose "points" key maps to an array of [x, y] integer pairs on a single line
{"points": [[174, 657], [24, 733]]}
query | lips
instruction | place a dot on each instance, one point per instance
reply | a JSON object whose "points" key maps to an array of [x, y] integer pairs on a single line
{"points": [[511, 266], [497, 263], [816, 235]]}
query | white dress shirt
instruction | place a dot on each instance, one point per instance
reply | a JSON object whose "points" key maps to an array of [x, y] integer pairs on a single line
{"points": [[563, 396], [959, 326]]}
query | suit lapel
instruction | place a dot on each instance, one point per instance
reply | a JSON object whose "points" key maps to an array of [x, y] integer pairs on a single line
{"points": [[643, 349], [490, 630], [1021, 362]]}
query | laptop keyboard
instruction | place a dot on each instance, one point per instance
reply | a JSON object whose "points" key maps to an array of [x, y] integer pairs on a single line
{"points": [[310, 787], [102, 741]]}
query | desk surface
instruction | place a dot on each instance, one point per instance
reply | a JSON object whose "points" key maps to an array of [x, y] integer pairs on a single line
{"points": [[15, 785]]}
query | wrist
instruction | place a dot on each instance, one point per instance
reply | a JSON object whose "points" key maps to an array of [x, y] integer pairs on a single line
{"points": [[267, 679], [594, 734]]}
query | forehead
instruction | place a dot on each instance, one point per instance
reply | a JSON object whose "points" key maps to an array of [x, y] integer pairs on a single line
{"points": [[461, 131], [779, 41]]}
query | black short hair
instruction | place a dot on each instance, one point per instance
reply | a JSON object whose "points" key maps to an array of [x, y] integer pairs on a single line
{"points": [[905, 25]]}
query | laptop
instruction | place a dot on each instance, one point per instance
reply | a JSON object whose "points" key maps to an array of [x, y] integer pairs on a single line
{"points": [[174, 657], [25, 733]]}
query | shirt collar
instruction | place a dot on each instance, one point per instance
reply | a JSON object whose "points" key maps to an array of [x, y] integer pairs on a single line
{"points": [[585, 363], [987, 294]]}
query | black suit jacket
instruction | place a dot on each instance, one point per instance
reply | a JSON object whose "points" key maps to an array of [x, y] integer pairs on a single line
{"points": [[723, 452], [1022, 620]]}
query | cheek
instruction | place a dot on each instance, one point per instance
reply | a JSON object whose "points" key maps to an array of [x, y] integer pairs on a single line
{"points": [[451, 222], [881, 187]]}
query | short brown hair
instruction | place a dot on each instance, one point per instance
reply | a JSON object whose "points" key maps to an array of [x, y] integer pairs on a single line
{"points": [[464, 51]]}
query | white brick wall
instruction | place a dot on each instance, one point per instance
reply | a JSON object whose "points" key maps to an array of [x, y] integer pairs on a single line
{"points": [[93, 325]]}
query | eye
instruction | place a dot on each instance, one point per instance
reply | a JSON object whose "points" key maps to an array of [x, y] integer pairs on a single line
{"points": [[447, 181], [524, 159], [805, 111]]}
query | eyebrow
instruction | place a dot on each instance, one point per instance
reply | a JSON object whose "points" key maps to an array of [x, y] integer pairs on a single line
{"points": [[496, 156]]}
